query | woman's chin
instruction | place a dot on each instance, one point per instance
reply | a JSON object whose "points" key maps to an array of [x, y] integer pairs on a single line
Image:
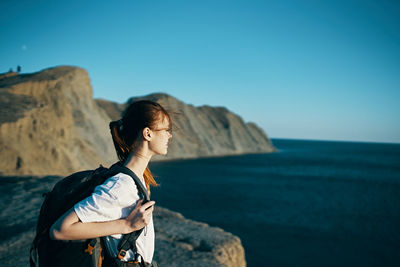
{"points": [[163, 152]]}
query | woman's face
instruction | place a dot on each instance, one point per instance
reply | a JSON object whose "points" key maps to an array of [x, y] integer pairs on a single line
{"points": [[160, 138]]}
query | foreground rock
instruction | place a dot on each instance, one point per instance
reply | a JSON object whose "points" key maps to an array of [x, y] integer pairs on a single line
{"points": [[183, 242], [179, 241], [51, 125]]}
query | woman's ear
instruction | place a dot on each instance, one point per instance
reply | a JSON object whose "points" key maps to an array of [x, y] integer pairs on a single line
{"points": [[147, 134]]}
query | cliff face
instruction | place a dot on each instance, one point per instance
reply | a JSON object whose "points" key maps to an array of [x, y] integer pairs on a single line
{"points": [[50, 124], [202, 131]]}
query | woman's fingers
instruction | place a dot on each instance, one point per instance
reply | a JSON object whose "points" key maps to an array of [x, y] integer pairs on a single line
{"points": [[147, 205], [140, 215], [146, 211], [139, 203]]}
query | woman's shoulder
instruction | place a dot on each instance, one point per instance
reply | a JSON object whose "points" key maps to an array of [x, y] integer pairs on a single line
{"points": [[119, 185], [121, 179]]}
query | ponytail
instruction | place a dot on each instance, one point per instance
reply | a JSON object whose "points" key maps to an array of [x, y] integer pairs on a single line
{"points": [[121, 147]]}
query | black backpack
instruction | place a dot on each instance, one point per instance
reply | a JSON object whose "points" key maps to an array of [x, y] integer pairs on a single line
{"points": [[65, 194]]}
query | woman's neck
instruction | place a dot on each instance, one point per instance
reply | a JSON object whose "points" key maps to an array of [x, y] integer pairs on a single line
{"points": [[137, 162]]}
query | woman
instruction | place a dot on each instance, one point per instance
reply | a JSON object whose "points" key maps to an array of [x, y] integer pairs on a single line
{"points": [[115, 207]]}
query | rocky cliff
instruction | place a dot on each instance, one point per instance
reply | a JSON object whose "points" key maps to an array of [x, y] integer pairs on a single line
{"points": [[50, 124]]}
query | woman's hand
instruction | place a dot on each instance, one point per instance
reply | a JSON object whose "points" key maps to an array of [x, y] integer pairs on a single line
{"points": [[139, 217]]}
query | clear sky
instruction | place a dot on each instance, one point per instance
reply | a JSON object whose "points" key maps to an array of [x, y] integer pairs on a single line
{"points": [[299, 69]]}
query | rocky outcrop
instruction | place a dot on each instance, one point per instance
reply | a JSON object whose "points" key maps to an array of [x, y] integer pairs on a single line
{"points": [[179, 241], [50, 124], [192, 243]]}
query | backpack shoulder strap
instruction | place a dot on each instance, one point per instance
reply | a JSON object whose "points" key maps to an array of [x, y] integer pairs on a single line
{"points": [[128, 241], [116, 168]]}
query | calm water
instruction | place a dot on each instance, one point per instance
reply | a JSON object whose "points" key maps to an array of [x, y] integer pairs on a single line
{"points": [[313, 203]]}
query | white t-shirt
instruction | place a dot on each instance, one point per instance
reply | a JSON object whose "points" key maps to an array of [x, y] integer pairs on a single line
{"points": [[115, 199]]}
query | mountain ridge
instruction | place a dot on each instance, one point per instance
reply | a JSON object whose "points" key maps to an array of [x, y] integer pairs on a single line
{"points": [[52, 125]]}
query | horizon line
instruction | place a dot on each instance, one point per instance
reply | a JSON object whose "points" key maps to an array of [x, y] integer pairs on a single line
{"points": [[332, 140]]}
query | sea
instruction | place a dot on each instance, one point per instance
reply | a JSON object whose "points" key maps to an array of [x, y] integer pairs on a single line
{"points": [[311, 203]]}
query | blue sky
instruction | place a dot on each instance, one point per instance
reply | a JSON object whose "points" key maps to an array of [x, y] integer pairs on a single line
{"points": [[299, 69]]}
